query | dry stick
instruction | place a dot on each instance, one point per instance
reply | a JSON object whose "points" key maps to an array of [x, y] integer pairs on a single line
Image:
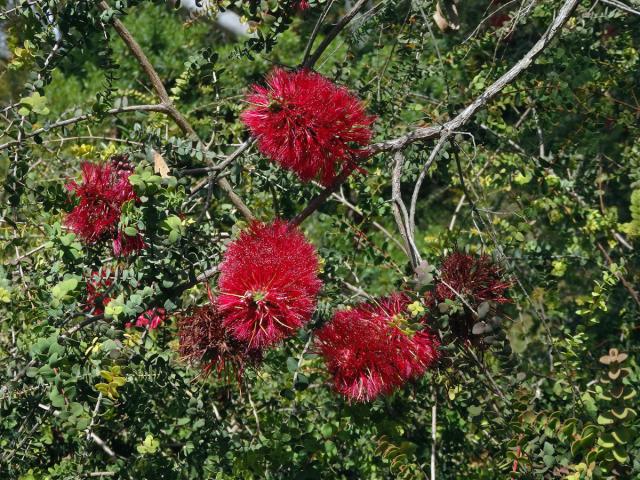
{"points": [[434, 425], [621, 6], [421, 177], [81, 118], [343, 22], [341, 198], [400, 211], [96, 439], [634, 294], [314, 33], [426, 133], [171, 110], [223, 164]]}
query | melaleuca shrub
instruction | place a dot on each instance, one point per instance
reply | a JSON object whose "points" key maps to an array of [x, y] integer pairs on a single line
{"points": [[99, 198], [206, 343], [268, 283], [373, 349], [308, 124]]}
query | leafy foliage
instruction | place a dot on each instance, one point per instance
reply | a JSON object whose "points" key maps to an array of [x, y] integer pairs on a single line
{"points": [[543, 181]]}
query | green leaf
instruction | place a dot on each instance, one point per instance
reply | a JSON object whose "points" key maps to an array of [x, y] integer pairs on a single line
{"points": [[34, 103], [57, 400], [62, 289], [292, 364], [605, 419]]}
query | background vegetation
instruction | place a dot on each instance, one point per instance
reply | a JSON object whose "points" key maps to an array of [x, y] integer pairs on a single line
{"points": [[544, 177]]}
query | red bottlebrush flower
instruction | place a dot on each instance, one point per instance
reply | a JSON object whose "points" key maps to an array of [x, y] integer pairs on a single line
{"points": [[476, 278], [268, 283], [307, 124], [98, 284], [204, 341], [152, 318], [369, 353], [101, 194], [302, 5], [124, 245]]}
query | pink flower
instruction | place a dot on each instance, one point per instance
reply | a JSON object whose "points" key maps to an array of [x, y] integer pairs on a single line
{"points": [[371, 350], [152, 318], [268, 284], [308, 124]]}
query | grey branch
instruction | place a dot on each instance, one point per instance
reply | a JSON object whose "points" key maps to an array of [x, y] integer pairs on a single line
{"points": [[426, 133], [621, 6]]}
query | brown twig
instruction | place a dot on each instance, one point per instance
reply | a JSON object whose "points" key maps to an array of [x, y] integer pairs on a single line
{"points": [[164, 97]]}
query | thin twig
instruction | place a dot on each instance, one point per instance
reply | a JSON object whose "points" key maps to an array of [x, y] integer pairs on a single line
{"points": [[621, 6], [314, 33], [81, 118], [400, 210], [421, 177], [342, 23]]}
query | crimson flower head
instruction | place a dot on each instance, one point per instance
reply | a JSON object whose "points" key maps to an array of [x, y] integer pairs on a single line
{"points": [[101, 194], [98, 285], [371, 349], [268, 283], [307, 124], [124, 245], [476, 278], [205, 342], [152, 318]]}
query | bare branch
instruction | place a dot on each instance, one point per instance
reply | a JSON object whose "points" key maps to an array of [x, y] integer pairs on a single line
{"points": [[344, 21], [621, 6], [81, 118], [400, 210], [426, 133], [421, 177], [314, 33]]}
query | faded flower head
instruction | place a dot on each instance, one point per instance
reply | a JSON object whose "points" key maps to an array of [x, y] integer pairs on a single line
{"points": [[307, 124], [371, 349], [476, 278], [268, 283], [205, 342]]}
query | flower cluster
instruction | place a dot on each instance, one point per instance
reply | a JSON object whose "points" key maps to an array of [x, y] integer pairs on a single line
{"points": [[205, 342], [475, 278], [100, 196], [268, 284], [371, 350], [307, 124]]}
